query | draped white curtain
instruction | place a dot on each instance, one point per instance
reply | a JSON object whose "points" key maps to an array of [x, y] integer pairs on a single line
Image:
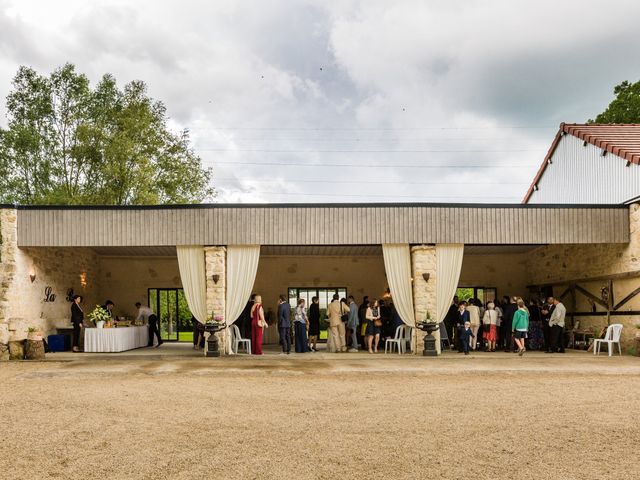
{"points": [[242, 266], [449, 263], [397, 264], [194, 281]]}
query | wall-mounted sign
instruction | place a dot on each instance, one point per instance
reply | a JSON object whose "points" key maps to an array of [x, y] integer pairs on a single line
{"points": [[69, 295], [49, 296]]}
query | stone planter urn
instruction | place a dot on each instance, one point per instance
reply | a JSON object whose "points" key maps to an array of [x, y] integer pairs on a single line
{"points": [[213, 345], [429, 340], [100, 324]]}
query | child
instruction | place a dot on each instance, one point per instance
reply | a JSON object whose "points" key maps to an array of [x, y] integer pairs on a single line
{"points": [[466, 334]]}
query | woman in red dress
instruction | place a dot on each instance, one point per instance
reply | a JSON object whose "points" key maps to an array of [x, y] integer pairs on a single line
{"points": [[258, 324]]}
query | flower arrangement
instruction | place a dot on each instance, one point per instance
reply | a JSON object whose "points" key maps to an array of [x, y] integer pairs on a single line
{"points": [[427, 319], [99, 314], [34, 333], [215, 320]]}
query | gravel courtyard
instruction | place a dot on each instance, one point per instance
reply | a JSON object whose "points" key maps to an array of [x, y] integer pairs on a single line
{"points": [[485, 416]]}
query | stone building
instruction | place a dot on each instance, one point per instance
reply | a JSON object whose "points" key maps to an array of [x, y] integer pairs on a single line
{"points": [[125, 253], [576, 234]]}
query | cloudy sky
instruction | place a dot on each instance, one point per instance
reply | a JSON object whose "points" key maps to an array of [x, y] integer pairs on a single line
{"points": [[348, 101]]}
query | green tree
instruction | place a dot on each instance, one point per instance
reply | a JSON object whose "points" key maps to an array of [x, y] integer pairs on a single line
{"points": [[67, 143], [625, 108]]}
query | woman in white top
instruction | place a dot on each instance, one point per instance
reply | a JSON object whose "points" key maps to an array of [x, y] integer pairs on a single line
{"points": [[474, 319], [489, 326]]}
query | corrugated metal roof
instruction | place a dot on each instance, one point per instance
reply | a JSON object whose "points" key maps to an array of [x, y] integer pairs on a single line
{"points": [[622, 140], [322, 225]]}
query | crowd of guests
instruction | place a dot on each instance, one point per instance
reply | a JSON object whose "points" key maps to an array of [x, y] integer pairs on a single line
{"points": [[513, 325], [351, 326]]}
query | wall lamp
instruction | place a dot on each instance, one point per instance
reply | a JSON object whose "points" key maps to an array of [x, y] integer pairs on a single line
{"points": [[215, 278], [32, 276], [426, 276]]}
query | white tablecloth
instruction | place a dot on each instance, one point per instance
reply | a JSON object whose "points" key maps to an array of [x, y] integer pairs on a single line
{"points": [[115, 339]]}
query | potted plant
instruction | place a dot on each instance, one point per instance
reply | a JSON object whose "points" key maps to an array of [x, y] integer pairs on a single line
{"points": [[99, 316], [34, 334]]}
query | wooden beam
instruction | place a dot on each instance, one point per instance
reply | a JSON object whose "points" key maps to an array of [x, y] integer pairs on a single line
{"points": [[613, 276], [564, 294], [591, 296], [626, 299], [621, 313]]}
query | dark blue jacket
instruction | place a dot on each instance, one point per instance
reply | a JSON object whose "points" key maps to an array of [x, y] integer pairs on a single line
{"points": [[284, 315], [466, 334], [462, 317]]}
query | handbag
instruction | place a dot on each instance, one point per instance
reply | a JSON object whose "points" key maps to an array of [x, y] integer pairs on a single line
{"points": [[377, 322]]}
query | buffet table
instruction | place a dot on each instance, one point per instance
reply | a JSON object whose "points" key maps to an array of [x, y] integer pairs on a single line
{"points": [[115, 339]]}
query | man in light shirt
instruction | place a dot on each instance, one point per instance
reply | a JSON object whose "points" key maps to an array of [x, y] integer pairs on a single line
{"points": [[335, 310], [556, 323], [145, 313]]}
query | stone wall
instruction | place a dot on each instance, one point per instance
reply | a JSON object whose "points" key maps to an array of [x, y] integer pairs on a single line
{"points": [[126, 280], [505, 272], [42, 303], [558, 263]]}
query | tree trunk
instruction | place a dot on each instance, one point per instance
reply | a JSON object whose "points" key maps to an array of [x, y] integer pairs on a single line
{"points": [[16, 350], [4, 352], [34, 350]]}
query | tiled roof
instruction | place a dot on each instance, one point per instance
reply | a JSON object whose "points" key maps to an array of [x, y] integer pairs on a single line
{"points": [[622, 140]]}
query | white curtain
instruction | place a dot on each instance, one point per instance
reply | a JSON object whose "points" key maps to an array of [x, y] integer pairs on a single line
{"points": [[242, 266], [194, 281], [397, 264], [448, 265]]}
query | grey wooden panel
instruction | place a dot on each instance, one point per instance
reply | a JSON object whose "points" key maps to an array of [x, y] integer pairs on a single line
{"points": [[309, 225]]}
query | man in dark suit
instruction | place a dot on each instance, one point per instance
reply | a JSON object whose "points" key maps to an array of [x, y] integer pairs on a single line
{"points": [[244, 320], [509, 311], [547, 310], [77, 320], [284, 324], [451, 318]]}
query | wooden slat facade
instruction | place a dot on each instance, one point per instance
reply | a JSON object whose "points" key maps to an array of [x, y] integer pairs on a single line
{"points": [[321, 225]]}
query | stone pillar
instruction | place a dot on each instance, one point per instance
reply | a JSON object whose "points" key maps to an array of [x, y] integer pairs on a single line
{"points": [[216, 264], [423, 260], [8, 252]]}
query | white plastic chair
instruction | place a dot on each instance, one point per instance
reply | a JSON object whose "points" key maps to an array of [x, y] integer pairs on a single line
{"points": [[408, 337], [398, 339], [238, 340], [610, 337]]}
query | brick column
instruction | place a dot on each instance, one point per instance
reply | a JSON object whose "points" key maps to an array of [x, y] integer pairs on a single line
{"points": [[216, 264], [423, 260]]}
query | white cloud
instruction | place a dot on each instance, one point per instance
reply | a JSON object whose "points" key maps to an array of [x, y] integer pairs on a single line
{"points": [[349, 87]]}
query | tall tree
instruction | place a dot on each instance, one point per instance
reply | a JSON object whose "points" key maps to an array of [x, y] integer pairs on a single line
{"points": [[67, 143], [625, 108]]}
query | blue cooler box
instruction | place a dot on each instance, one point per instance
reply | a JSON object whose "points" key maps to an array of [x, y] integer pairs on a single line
{"points": [[56, 343]]}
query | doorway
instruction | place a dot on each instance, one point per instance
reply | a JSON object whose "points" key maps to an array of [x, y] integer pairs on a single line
{"points": [[484, 294], [324, 294], [173, 314]]}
